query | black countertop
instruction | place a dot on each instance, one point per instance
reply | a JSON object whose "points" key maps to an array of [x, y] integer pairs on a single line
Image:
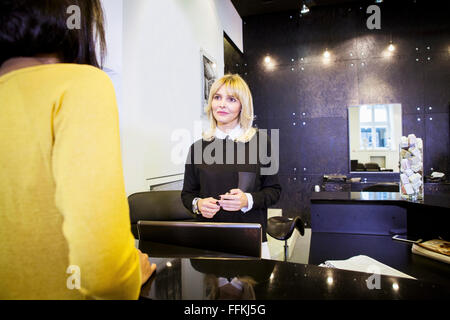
{"points": [[254, 279], [442, 201], [192, 274], [393, 253]]}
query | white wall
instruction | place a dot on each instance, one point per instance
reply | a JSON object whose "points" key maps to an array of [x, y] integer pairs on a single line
{"points": [[113, 10], [154, 49], [231, 22]]}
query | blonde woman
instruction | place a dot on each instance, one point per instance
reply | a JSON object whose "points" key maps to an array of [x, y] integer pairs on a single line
{"points": [[221, 182]]}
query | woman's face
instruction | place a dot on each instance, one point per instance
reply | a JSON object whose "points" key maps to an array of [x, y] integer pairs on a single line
{"points": [[226, 108]]}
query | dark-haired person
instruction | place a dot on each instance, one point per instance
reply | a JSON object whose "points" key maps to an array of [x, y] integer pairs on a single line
{"points": [[64, 220]]}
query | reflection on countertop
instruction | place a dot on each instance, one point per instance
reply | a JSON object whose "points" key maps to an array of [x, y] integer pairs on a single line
{"points": [[205, 279]]}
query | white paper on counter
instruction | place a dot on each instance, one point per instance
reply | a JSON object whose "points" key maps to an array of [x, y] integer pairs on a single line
{"points": [[366, 264]]}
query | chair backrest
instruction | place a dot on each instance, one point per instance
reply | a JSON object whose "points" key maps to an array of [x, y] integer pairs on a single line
{"points": [[157, 206], [383, 187], [353, 165], [371, 166]]}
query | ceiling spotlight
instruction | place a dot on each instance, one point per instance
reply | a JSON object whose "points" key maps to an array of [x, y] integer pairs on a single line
{"points": [[305, 9], [326, 54], [389, 50], [391, 47], [269, 62]]}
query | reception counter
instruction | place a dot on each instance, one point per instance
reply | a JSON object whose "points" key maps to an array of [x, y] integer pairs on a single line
{"points": [[344, 225], [199, 279], [380, 213], [441, 201], [190, 274]]}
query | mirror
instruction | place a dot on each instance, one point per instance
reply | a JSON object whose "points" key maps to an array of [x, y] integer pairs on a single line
{"points": [[374, 136]]}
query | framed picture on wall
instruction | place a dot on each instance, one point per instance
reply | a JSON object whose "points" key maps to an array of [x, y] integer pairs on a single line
{"points": [[209, 76]]}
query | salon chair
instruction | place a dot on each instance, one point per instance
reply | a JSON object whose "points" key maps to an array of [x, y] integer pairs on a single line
{"points": [[282, 228], [353, 165], [157, 206], [371, 166]]}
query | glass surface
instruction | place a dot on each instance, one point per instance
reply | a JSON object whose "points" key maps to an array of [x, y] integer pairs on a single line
{"points": [[380, 137], [374, 135], [365, 114], [411, 170], [366, 138], [224, 279], [380, 113]]}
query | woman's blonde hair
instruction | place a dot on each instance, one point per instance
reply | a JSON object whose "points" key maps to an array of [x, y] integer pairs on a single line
{"points": [[237, 87]]}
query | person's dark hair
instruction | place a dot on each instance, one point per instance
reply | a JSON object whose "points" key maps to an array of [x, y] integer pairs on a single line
{"points": [[34, 27]]}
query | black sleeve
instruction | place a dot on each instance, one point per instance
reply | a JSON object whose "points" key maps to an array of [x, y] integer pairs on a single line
{"points": [[191, 184], [270, 186], [269, 194]]}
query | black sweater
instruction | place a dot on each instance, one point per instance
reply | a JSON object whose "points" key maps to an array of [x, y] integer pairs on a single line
{"points": [[208, 179]]}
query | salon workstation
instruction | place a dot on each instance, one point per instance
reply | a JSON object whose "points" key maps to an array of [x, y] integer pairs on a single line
{"points": [[270, 150]]}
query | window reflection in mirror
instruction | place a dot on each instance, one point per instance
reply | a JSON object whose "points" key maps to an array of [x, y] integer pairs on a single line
{"points": [[374, 134]]}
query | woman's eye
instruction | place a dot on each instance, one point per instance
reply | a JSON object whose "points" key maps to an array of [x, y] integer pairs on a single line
{"points": [[216, 97], [232, 99]]}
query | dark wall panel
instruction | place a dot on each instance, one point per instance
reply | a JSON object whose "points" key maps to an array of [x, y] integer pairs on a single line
{"points": [[308, 100], [437, 81], [290, 150], [272, 104], [414, 123], [324, 89], [435, 149], [322, 143]]}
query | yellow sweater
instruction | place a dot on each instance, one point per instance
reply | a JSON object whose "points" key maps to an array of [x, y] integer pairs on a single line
{"points": [[62, 194]]}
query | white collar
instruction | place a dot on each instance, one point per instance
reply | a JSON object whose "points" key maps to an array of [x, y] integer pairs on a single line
{"points": [[234, 282], [233, 134]]}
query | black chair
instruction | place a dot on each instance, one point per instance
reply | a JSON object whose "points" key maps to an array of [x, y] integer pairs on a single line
{"points": [[382, 187], [282, 228], [360, 167], [353, 165], [371, 166], [157, 206]]}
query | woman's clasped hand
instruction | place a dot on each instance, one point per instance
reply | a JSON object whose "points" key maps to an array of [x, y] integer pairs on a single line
{"points": [[234, 200]]}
